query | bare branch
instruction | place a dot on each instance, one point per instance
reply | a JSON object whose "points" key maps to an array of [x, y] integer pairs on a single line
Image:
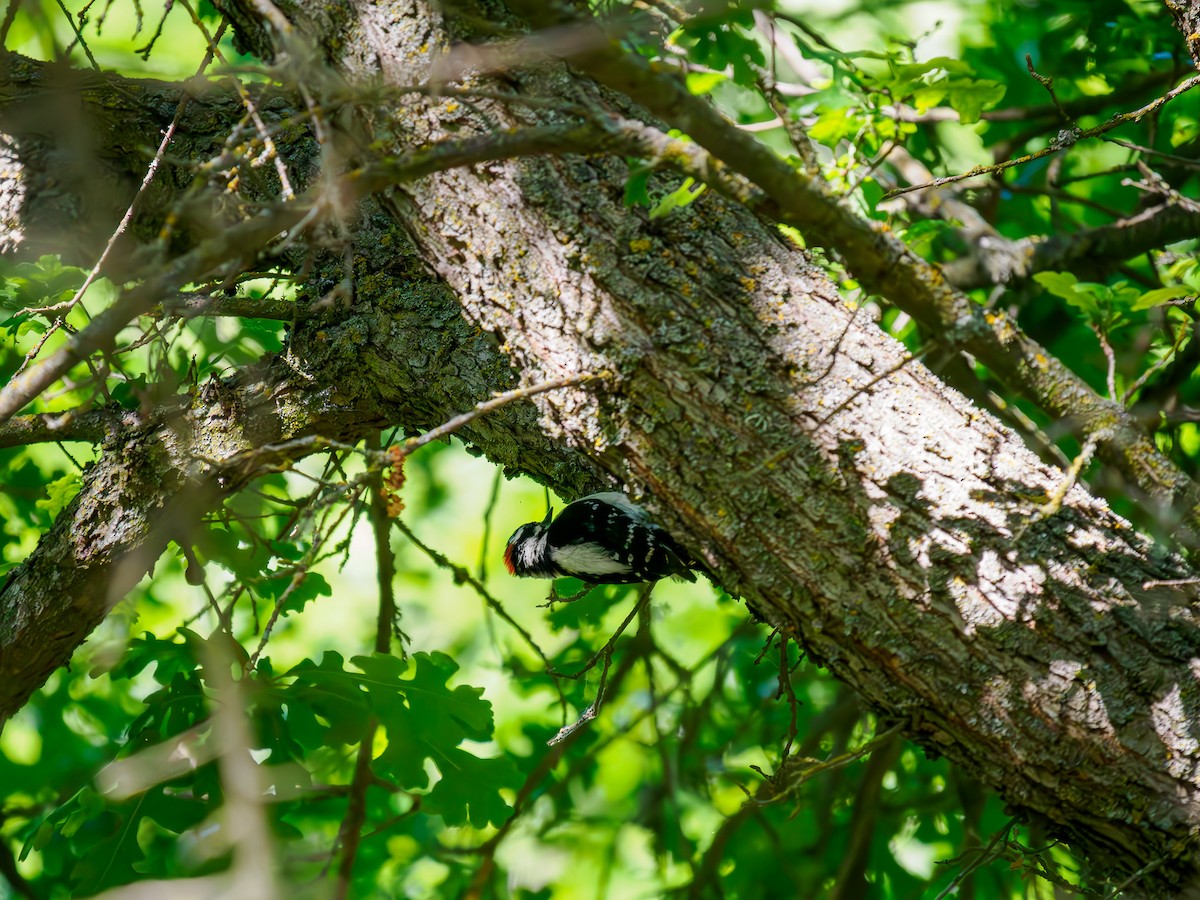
{"points": [[84, 425], [1087, 252], [1065, 139], [246, 241]]}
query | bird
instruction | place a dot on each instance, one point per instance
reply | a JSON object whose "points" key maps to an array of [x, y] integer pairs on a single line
{"points": [[601, 539]]}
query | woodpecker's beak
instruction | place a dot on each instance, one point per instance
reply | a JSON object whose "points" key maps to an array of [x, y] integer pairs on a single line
{"points": [[549, 516]]}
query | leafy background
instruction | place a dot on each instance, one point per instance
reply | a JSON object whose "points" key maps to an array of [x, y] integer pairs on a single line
{"points": [[665, 791]]}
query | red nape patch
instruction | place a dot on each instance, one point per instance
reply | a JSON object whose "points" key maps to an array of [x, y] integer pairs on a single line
{"points": [[508, 562]]}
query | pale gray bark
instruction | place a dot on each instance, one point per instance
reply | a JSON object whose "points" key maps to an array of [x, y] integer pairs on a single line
{"points": [[842, 489], [403, 355], [76, 145], [1187, 20], [836, 484]]}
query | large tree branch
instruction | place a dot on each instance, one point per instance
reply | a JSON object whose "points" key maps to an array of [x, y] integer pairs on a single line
{"points": [[884, 264], [403, 355], [815, 467], [236, 247], [993, 259], [1089, 253], [90, 425], [77, 143], [880, 260]]}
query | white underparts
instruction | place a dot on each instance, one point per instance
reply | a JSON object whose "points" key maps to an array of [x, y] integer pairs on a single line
{"points": [[590, 558]]}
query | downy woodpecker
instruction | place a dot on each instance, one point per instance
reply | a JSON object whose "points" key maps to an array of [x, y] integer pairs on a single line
{"points": [[601, 539]]}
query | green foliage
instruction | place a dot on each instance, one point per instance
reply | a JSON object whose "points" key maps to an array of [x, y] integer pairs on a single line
{"points": [[60, 492], [596, 747], [43, 283], [936, 82], [691, 715], [678, 198], [715, 36], [1101, 305]]}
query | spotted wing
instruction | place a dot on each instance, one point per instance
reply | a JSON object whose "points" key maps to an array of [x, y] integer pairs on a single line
{"points": [[601, 542]]}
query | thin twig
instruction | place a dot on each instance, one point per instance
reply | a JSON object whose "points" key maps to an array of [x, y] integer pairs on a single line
{"points": [[1110, 357], [1065, 139], [78, 35], [882, 376], [1055, 498], [1132, 879], [785, 785], [1169, 582], [588, 714], [605, 653], [247, 102], [985, 855], [643, 598], [299, 573], [462, 576], [1048, 83], [350, 832], [10, 15], [778, 457], [486, 406], [786, 690], [1175, 158]]}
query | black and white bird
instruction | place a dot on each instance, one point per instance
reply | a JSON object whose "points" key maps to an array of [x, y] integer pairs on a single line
{"points": [[601, 539]]}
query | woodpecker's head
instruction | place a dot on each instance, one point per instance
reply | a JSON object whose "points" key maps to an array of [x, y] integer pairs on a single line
{"points": [[526, 554]]}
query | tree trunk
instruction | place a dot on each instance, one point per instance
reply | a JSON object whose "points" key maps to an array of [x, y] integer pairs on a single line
{"points": [[906, 538], [820, 472]]}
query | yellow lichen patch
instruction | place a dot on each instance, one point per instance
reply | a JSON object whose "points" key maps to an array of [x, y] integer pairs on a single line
{"points": [[640, 245], [749, 284]]}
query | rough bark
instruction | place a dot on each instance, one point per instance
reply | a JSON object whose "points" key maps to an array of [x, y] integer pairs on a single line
{"points": [[77, 144], [403, 355], [1187, 20], [1091, 254], [819, 472]]}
